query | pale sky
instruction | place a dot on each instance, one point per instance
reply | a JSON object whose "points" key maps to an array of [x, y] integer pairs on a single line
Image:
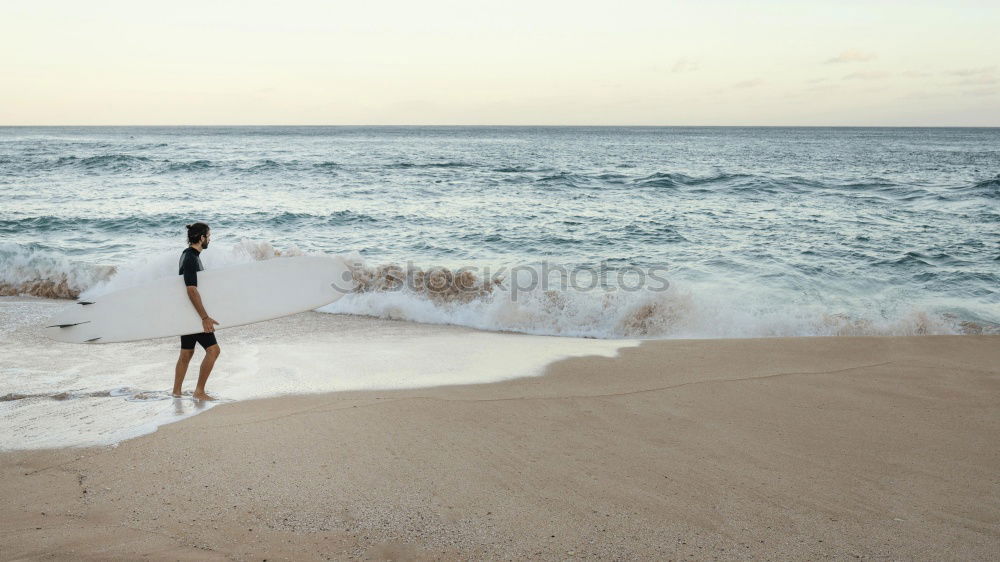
{"points": [[514, 62]]}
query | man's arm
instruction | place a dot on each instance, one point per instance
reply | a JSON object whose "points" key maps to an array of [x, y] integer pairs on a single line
{"points": [[207, 322], [190, 271], [195, 297]]}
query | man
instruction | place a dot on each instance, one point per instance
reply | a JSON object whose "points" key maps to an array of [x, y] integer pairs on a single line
{"points": [[199, 236]]}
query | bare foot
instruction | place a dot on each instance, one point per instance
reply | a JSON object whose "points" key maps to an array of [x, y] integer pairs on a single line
{"points": [[202, 396]]}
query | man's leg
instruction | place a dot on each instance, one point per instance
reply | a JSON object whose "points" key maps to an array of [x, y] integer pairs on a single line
{"points": [[181, 369], [211, 354]]}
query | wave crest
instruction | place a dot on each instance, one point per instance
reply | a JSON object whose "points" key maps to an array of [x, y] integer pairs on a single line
{"points": [[39, 273], [676, 179], [110, 162], [460, 296]]}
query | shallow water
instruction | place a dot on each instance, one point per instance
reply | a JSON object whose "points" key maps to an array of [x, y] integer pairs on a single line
{"points": [[56, 394]]}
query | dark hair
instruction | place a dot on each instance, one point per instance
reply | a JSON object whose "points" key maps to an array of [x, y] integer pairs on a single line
{"points": [[196, 231]]}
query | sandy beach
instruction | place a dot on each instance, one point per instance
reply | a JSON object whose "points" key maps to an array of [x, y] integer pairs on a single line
{"points": [[872, 447], [545, 281]]}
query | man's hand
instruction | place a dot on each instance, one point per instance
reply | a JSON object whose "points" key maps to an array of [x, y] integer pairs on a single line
{"points": [[208, 324]]}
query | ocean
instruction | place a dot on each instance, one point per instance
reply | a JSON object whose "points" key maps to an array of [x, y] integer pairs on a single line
{"points": [[613, 234]]}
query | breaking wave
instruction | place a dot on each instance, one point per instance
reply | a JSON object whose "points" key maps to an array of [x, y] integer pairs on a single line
{"points": [[443, 296], [440, 295], [40, 273], [43, 273], [460, 297]]}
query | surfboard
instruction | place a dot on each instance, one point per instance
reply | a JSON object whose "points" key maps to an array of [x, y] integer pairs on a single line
{"points": [[233, 296]]}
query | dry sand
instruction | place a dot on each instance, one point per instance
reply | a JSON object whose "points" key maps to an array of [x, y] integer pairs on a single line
{"points": [[875, 447]]}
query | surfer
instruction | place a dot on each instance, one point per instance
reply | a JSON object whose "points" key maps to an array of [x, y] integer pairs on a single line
{"points": [[199, 236]]}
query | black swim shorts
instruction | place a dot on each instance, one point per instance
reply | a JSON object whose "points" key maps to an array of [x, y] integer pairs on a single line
{"points": [[206, 339]]}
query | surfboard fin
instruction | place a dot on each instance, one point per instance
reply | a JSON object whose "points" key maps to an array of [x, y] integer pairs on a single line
{"points": [[67, 325], [84, 303]]}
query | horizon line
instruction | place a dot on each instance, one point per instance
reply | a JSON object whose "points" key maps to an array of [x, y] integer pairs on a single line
{"points": [[531, 126]]}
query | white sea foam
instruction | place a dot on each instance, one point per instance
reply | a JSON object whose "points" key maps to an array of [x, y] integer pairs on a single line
{"points": [[72, 395], [27, 271], [686, 309], [683, 310], [165, 264]]}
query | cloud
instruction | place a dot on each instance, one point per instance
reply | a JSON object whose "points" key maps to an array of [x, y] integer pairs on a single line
{"points": [[748, 83], [684, 64], [984, 80], [851, 56], [982, 76], [822, 87], [874, 75], [967, 72], [920, 95]]}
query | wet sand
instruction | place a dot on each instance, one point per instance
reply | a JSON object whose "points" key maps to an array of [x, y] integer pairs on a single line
{"points": [[869, 447]]}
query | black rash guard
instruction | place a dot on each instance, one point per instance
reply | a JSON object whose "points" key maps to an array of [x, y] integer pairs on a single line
{"points": [[189, 266]]}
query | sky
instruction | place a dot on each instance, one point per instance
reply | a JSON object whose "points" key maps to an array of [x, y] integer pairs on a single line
{"points": [[537, 62]]}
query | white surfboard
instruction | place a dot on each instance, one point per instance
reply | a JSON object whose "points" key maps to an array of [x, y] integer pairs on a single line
{"points": [[233, 296]]}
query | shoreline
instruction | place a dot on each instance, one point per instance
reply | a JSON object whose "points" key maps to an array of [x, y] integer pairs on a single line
{"points": [[312, 351], [731, 448]]}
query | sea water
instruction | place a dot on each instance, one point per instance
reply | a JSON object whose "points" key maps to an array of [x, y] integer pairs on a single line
{"points": [[612, 234], [57, 394]]}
